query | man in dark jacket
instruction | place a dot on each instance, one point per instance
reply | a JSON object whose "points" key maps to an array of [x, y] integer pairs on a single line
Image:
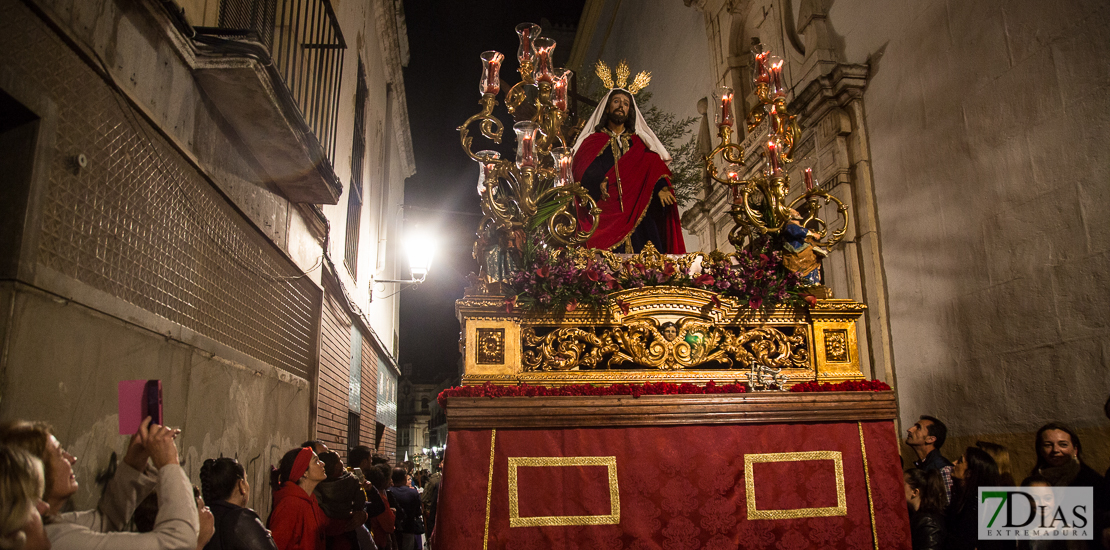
{"points": [[926, 437], [410, 517]]}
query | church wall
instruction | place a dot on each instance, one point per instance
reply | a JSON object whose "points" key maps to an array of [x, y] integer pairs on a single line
{"points": [[981, 136], [988, 126]]}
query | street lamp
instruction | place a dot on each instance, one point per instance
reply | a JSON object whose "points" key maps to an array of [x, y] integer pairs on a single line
{"points": [[420, 247]]}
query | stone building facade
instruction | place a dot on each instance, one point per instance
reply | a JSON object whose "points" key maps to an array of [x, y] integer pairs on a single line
{"points": [[968, 140], [183, 201]]}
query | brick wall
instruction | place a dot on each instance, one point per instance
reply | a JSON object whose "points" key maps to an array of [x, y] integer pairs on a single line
{"points": [[335, 372]]}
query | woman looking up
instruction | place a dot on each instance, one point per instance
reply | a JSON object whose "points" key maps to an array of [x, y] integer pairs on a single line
{"points": [[974, 469], [223, 482], [296, 521], [177, 524]]}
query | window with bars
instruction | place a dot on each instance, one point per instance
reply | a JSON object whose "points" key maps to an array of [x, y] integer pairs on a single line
{"points": [[358, 156], [354, 425]]}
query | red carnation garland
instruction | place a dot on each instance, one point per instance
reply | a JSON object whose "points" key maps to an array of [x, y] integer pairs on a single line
{"points": [[849, 385], [636, 390]]}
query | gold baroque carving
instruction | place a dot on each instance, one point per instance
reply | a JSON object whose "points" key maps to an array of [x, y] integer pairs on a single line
{"points": [[642, 342], [836, 345], [491, 346]]}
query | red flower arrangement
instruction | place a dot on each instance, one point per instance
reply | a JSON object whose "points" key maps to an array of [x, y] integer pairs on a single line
{"points": [[849, 385], [636, 390]]}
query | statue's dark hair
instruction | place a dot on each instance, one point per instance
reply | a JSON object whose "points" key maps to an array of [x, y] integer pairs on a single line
{"points": [[629, 125], [218, 478]]}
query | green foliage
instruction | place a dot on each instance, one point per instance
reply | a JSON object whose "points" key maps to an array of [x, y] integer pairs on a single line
{"points": [[676, 134]]}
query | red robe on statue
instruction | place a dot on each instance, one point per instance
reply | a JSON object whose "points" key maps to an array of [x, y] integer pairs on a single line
{"points": [[627, 205]]}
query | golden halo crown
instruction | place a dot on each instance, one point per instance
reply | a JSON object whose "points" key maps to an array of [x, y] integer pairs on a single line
{"points": [[643, 78]]}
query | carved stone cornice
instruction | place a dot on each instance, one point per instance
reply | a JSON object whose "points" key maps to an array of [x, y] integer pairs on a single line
{"points": [[840, 86]]}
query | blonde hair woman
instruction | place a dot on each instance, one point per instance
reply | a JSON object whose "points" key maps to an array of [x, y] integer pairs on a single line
{"points": [[177, 524], [21, 505]]}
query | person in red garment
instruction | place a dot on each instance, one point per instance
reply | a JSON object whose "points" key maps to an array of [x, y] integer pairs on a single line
{"points": [[296, 522], [623, 165]]}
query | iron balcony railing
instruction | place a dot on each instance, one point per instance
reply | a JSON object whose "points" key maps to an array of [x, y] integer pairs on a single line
{"points": [[306, 48]]}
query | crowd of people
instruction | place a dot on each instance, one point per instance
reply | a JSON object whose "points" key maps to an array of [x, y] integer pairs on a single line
{"points": [[149, 503], [321, 504], [943, 496]]}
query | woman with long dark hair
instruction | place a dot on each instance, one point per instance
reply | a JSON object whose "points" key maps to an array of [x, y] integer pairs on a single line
{"points": [[926, 499], [296, 521], [223, 482], [974, 469]]}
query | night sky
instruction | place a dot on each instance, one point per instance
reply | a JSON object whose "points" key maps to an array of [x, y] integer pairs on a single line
{"points": [[441, 84]]}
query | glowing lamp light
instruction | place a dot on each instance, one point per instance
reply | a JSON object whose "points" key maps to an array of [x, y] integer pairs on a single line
{"points": [[420, 247]]}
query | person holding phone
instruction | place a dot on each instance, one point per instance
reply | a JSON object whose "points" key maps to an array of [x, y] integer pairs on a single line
{"points": [[177, 525], [223, 483]]}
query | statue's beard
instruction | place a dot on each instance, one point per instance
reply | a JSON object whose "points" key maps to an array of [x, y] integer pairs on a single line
{"points": [[618, 118]]}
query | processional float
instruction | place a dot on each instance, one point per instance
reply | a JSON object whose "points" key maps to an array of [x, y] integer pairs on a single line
{"points": [[704, 400]]}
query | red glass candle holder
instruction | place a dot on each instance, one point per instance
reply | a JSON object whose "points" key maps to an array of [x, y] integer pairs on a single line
{"points": [[525, 143], [491, 72], [724, 96], [545, 47], [527, 33], [486, 168], [564, 162]]}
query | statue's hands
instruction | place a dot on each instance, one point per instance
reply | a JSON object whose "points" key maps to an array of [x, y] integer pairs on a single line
{"points": [[666, 197]]}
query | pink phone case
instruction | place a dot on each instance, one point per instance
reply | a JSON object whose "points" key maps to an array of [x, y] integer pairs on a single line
{"points": [[132, 394]]}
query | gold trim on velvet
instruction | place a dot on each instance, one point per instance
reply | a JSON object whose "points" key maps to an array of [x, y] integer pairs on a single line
{"points": [[489, 487], [867, 480], [841, 508], [614, 516]]}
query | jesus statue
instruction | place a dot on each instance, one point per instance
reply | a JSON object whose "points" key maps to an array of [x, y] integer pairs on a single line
{"points": [[623, 165]]}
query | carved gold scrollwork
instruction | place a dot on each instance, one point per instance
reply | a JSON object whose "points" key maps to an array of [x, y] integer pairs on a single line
{"points": [[491, 126], [642, 342], [563, 349]]}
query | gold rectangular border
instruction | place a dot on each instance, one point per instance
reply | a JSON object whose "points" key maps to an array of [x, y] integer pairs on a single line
{"points": [[841, 508], [614, 516]]}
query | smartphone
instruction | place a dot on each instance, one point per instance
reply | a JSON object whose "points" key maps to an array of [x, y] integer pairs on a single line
{"points": [[139, 399]]}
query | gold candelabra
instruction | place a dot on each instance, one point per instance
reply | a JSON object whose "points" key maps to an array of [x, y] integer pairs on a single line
{"points": [[759, 204], [536, 191]]}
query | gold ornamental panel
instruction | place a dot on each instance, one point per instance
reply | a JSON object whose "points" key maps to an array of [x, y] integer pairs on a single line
{"points": [[750, 460], [492, 346], [658, 334], [610, 462]]}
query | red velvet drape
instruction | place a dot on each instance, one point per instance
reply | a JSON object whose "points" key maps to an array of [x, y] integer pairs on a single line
{"points": [[679, 487]]}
